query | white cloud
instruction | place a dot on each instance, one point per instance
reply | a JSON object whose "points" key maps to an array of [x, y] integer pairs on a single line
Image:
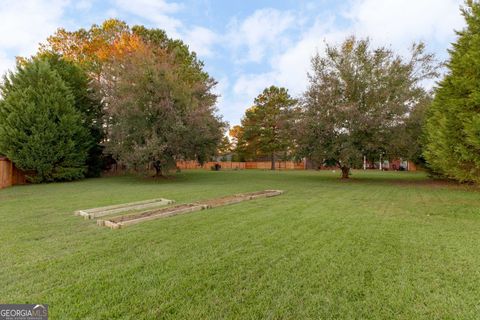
{"points": [[400, 22], [233, 108], [201, 40], [84, 5], [156, 11], [24, 25], [251, 85], [289, 68], [6, 63], [230, 107], [160, 14], [221, 88], [260, 32], [292, 65]]}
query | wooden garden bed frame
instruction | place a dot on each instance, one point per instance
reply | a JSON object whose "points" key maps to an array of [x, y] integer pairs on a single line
{"points": [[123, 221], [109, 210]]}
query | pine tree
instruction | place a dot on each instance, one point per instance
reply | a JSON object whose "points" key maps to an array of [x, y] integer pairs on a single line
{"points": [[453, 124], [268, 124], [40, 130]]}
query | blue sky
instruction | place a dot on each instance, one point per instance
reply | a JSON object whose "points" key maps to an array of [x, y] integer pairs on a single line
{"points": [[246, 45]]}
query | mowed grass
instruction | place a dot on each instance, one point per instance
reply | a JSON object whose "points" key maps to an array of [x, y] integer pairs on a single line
{"points": [[384, 245]]}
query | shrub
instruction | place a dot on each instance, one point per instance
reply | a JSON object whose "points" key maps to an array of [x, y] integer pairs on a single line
{"points": [[40, 129], [216, 167]]}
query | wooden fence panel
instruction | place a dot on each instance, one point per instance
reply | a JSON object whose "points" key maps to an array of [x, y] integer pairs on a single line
{"points": [[6, 169], [10, 175], [250, 165], [18, 176], [228, 165]]}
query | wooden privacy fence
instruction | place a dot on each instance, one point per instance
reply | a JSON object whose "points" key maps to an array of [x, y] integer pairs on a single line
{"points": [[9, 174], [207, 165], [265, 165]]}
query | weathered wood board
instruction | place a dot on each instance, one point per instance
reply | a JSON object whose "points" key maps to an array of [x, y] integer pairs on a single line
{"points": [[109, 210], [123, 221]]}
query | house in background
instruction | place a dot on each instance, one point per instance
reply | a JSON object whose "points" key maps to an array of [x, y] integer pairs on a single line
{"points": [[394, 165]]}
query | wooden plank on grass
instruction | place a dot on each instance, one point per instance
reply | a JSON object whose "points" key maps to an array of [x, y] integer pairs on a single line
{"points": [[108, 210], [264, 194], [122, 221], [163, 215], [119, 222]]}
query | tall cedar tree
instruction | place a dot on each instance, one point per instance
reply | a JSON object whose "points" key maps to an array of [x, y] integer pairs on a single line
{"points": [[40, 129], [358, 100], [453, 125], [86, 102], [267, 125]]}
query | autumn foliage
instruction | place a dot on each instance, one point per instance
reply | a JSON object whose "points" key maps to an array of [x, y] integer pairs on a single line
{"points": [[134, 93]]}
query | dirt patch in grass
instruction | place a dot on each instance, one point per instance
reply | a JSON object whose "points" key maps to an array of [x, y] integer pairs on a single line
{"points": [[149, 213], [212, 203], [222, 201]]}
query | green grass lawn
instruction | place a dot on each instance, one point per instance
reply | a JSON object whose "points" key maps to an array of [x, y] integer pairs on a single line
{"points": [[382, 246]]}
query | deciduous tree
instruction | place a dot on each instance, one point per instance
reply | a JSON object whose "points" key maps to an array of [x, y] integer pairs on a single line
{"points": [[156, 116], [358, 99]]}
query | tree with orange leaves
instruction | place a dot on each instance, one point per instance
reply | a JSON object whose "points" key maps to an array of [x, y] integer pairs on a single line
{"points": [[92, 48]]}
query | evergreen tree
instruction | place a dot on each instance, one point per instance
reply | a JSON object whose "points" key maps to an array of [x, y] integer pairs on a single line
{"points": [[269, 122], [453, 124], [40, 130], [87, 103]]}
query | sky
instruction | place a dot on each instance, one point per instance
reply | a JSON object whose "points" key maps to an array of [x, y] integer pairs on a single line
{"points": [[246, 45]]}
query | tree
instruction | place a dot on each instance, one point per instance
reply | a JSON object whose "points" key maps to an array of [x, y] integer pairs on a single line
{"points": [[101, 50], [114, 39], [409, 139], [247, 142], [453, 124], [358, 99], [156, 116], [224, 148], [40, 129], [92, 48], [268, 124], [86, 102], [238, 143]]}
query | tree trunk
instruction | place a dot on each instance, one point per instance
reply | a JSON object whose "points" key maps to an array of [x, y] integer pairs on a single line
{"points": [[158, 170], [345, 172], [273, 161]]}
